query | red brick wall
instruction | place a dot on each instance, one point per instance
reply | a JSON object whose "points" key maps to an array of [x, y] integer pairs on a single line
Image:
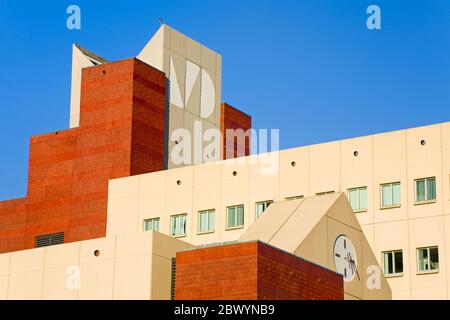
{"points": [[252, 271], [113, 126], [121, 133], [12, 224], [49, 198], [148, 120], [232, 118], [217, 273], [282, 276]]}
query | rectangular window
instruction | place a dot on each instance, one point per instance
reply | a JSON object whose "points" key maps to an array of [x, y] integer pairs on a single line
{"points": [[358, 198], [324, 193], [427, 259], [151, 224], [295, 197], [49, 239], [426, 189], [178, 225], [206, 221], [235, 217], [390, 195], [393, 262], [261, 207]]}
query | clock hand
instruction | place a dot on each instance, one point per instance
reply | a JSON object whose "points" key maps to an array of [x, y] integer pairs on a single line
{"points": [[356, 269]]}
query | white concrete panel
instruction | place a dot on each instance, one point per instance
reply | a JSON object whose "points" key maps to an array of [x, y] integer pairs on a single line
{"points": [[4, 287], [106, 248], [192, 77], [97, 280], [152, 182], [79, 61], [55, 285], [207, 98], [122, 215], [62, 255], [5, 259], [175, 91], [26, 285], [132, 278], [124, 187], [152, 53], [27, 260]]}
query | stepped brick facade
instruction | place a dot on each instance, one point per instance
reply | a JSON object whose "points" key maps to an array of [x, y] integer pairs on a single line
{"points": [[122, 132]]}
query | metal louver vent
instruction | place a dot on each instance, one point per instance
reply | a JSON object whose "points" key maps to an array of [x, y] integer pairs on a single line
{"points": [[49, 239], [172, 279]]}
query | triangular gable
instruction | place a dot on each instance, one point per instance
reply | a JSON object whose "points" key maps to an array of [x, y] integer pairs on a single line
{"points": [[285, 224]]}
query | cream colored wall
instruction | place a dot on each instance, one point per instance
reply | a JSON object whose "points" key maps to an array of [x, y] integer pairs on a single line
{"points": [[319, 243], [387, 157], [132, 266]]}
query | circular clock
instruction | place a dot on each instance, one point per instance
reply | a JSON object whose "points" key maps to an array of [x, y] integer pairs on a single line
{"points": [[345, 258]]}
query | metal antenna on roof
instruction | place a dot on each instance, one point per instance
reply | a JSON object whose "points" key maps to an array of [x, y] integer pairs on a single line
{"points": [[161, 21]]}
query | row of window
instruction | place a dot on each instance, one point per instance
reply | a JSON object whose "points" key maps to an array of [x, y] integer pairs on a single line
{"points": [[425, 191], [206, 220], [427, 261]]}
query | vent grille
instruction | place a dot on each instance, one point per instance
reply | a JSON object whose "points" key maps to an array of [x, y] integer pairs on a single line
{"points": [[49, 239], [172, 279]]}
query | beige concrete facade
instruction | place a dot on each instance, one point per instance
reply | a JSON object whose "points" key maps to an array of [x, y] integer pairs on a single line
{"points": [[133, 266], [195, 80], [399, 156]]}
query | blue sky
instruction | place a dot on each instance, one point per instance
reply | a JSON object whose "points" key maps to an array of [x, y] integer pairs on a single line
{"points": [[307, 62]]}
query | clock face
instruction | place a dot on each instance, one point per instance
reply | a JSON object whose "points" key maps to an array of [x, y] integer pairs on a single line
{"points": [[345, 258]]}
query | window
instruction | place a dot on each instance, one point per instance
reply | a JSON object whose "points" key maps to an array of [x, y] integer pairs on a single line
{"points": [[151, 224], [49, 239], [178, 225], [390, 195], [393, 262], [358, 198], [427, 259], [426, 189], [235, 217], [324, 193], [206, 221], [295, 197], [261, 207]]}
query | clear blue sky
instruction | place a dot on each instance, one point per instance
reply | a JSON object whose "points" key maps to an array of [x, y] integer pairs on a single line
{"points": [[283, 61]]}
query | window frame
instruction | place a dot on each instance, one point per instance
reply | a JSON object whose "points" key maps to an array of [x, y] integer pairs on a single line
{"points": [[208, 212], [382, 206], [394, 274], [358, 191], [171, 225], [153, 222], [429, 271], [266, 203], [227, 227], [426, 201], [325, 193], [294, 197]]}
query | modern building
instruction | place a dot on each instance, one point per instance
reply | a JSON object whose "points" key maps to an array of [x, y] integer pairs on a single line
{"points": [[126, 190]]}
